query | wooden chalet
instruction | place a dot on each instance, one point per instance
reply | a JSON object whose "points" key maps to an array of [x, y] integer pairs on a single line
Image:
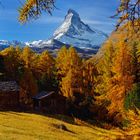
{"points": [[49, 102], [9, 95]]}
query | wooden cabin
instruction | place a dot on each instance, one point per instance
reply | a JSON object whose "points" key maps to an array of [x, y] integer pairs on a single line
{"points": [[49, 102], [9, 95]]}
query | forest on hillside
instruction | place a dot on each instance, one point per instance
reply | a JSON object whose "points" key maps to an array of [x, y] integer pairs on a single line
{"points": [[104, 88]]}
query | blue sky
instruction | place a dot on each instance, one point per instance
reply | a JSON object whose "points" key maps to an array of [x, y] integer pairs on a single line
{"points": [[96, 13]]}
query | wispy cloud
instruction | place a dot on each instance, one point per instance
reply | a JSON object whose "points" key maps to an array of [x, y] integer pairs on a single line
{"points": [[96, 22], [8, 15], [49, 20]]}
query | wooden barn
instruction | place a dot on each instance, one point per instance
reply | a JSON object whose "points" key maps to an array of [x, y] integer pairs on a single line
{"points": [[9, 95], [50, 102]]}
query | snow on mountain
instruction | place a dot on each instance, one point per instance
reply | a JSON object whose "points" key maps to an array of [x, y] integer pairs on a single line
{"points": [[5, 44], [75, 32], [48, 43]]}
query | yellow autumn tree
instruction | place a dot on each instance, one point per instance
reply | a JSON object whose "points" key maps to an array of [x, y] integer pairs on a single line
{"points": [[46, 63], [128, 11], [104, 67], [28, 82], [122, 80], [28, 87], [89, 78], [32, 9], [45, 71], [66, 85], [72, 81], [61, 62], [12, 62], [28, 57]]}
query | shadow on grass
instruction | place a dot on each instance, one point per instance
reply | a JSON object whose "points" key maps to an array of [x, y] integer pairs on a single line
{"points": [[62, 127], [18, 112]]}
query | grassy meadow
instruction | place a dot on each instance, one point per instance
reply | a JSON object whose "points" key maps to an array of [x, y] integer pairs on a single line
{"points": [[28, 126]]}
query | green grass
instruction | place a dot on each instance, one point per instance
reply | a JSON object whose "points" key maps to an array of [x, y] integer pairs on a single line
{"points": [[27, 126]]}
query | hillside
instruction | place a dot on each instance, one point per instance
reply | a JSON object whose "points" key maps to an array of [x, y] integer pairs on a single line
{"points": [[23, 126], [121, 34]]}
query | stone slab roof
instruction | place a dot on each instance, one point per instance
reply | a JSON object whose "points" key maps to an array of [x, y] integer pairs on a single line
{"points": [[7, 86], [43, 94]]}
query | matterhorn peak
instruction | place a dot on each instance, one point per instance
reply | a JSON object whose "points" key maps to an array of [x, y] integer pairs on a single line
{"points": [[73, 12], [71, 19], [75, 32]]}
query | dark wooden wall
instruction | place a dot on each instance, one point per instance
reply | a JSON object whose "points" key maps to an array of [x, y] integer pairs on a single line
{"points": [[9, 100]]}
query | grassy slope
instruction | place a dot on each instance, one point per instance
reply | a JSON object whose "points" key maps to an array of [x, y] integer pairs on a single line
{"points": [[25, 126]]}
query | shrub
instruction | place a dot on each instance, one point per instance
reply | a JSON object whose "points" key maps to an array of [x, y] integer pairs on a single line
{"points": [[125, 123]]}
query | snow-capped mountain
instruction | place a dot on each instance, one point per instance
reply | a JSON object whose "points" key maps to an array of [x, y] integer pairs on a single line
{"points": [[74, 32]]}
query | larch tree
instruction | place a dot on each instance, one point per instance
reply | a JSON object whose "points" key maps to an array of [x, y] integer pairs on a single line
{"points": [[61, 62], [66, 85], [46, 71], [89, 84], [32, 9], [89, 78], [28, 57], [105, 68], [28, 82], [12, 62], [28, 87], [129, 11], [122, 81], [72, 74]]}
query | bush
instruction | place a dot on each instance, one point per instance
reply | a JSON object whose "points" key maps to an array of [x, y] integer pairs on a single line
{"points": [[121, 120], [125, 123], [132, 99]]}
